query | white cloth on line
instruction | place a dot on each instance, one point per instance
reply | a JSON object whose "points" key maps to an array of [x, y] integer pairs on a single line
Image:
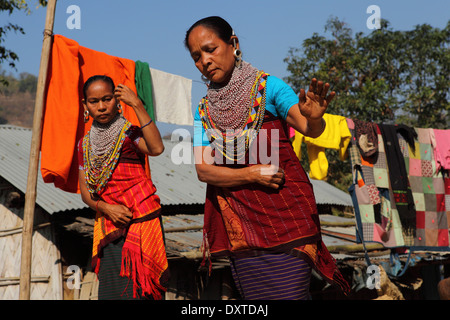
{"points": [[172, 98]]}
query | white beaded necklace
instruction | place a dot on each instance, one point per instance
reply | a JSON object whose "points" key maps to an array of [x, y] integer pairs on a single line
{"points": [[229, 105], [103, 137]]}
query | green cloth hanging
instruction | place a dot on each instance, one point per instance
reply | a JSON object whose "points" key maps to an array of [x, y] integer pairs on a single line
{"points": [[144, 87]]}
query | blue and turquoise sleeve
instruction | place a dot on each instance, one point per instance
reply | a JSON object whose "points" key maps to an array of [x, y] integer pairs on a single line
{"points": [[279, 97]]}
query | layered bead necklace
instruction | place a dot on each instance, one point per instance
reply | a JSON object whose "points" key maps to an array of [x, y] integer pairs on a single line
{"points": [[101, 149], [233, 114], [229, 105]]}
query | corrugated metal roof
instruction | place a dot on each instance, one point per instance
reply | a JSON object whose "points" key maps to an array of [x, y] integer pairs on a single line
{"points": [[14, 155], [177, 184], [325, 193]]}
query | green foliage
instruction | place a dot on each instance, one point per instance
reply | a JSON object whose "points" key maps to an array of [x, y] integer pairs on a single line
{"points": [[385, 76], [25, 83], [10, 6], [17, 99]]}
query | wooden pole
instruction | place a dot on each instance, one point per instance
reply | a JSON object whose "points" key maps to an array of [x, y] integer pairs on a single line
{"points": [[30, 195]]}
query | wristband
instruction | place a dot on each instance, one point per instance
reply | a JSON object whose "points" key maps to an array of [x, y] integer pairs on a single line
{"points": [[146, 124]]}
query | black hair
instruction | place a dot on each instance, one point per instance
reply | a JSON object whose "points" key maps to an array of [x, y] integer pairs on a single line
{"points": [[217, 24], [92, 79]]}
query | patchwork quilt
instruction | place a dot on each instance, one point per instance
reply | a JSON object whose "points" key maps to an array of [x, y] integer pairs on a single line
{"points": [[376, 213]]}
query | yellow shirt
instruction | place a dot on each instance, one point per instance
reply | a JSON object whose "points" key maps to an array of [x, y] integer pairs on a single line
{"points": [[335, 136]]}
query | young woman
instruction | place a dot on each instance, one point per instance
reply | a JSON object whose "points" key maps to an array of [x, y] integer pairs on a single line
{"points": [[128, 241], [263, 217]]}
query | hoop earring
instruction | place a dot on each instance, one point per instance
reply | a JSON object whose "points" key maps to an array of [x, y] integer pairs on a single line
{"points": [[86, 116], [237, 53], [119, 106], [238, 57]]}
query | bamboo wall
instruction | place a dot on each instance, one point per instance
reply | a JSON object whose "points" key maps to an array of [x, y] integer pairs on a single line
{"points": [[46, 278]]}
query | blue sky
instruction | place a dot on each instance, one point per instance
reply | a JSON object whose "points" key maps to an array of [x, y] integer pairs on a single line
{"points": [[153, 31]]}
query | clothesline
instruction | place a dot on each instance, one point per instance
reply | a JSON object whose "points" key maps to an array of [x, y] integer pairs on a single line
{"points": [[70, 66], [337, 136], [401, 183]]}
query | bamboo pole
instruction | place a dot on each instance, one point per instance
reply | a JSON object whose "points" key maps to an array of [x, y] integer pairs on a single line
{"points": [[30, 195], [347, 248], [9, 232], [182, 229]]}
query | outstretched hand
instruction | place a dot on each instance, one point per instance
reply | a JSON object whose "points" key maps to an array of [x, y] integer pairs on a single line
{"points": [[314, 103]]}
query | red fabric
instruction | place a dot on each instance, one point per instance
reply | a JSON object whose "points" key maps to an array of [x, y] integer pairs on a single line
{"points": [[70, 66], [143, 257], [269, 218], [250, 219]]}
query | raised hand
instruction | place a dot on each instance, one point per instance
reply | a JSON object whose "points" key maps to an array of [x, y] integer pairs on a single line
{"points": [[125, 94], [314, 103]]}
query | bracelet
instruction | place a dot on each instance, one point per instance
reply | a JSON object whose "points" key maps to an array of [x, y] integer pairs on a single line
{"points": [[96, 205], [147, 124]]}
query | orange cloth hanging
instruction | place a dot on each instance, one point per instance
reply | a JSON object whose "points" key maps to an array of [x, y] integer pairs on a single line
{"points": [[70, 66]]}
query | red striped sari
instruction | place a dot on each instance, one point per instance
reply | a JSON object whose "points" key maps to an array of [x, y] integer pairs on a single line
{"points": [[143, 256]]}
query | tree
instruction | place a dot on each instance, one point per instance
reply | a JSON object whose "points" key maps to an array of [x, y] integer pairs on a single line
{"points": [[427, 81], [7, 55], [17, 99], [385, 76], [27, 82]]}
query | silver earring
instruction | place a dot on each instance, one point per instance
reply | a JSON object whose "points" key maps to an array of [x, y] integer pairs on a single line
{"points": [[86, 116], [238, 56], [119, 106], [237, 52]]}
